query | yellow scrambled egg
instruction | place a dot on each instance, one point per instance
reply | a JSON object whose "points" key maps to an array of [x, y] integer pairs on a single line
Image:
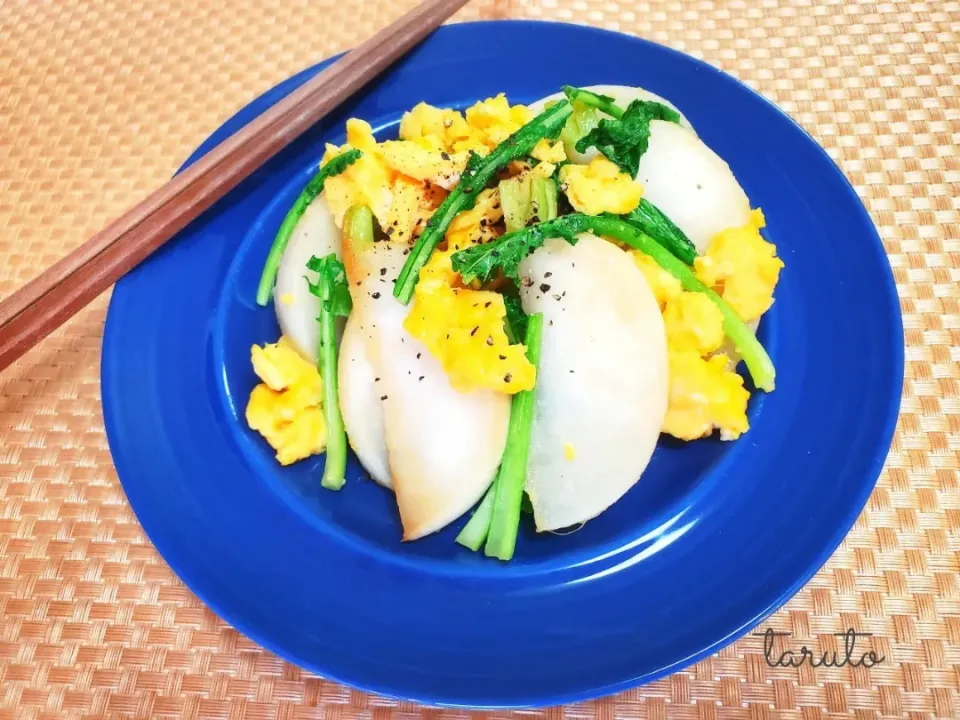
{"points": [[704, 395], [463, 329], [743, 267], [600, 187], [484, 126], [664, 285], [390, 179], [475, 226], [403, 181], [693, 322], [285, 408]]}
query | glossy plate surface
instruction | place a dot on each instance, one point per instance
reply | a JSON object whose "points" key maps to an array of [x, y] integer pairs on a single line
{"points": [[713, 539]]}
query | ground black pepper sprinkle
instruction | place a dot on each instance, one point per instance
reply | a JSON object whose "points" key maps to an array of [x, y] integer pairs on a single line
{"points": [[444, 156], [547, 274], [383, 271], [490, 340], [390, 230], [507, 378], [474, 331], [557, 297], [375, 296], [376, 379], [487, 304], [544, 287], [503, 357], [420, 378], [383, 397], [418, 356]]}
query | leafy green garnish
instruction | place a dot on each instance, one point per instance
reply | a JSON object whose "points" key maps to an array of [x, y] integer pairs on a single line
{"points": [[515, 324], [478, 172], [332, 289], [623, 141], [334, 166], [483, 262]]}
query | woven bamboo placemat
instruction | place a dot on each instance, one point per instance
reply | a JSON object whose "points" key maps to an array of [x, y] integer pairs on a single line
{"points": [[100, 102]]}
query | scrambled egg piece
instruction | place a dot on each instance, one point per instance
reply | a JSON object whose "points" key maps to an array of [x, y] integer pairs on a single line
{"points": [[704, 395], [475, 226], [664, 285], [463, 329], [415, 160], [482, 128], [693, 322], [285, 407], [400, 182], [600, 187], [412, 205], [368, 181], [743, 267]]}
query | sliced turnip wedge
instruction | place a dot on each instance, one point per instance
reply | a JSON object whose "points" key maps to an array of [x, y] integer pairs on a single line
{"points": [[602, 382], [691, 184], [315, 235], [443, 445], [360, 404]]}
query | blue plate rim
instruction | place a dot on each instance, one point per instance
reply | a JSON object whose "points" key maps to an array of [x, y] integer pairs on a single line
{"points": [[877, 462]]}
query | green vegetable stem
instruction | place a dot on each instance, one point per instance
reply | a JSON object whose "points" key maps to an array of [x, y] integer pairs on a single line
{"points": [[587, 98], [334, 294], [474, 533], [648, 218], [478, 172], [483, 262], [508, 498], [527, 198], [334, 166]]}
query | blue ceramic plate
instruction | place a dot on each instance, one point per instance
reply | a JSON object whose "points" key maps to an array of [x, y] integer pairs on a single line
{"points": [[714, 538]]}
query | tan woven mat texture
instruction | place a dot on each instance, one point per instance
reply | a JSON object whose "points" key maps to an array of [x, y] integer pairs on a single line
{"points": [[101, 101]]}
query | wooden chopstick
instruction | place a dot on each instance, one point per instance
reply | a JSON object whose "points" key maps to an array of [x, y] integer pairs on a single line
{"points": [[46, 302]]}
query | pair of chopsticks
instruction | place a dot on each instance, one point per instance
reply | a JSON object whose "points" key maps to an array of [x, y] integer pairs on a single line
{"points": [[42, 305]]}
